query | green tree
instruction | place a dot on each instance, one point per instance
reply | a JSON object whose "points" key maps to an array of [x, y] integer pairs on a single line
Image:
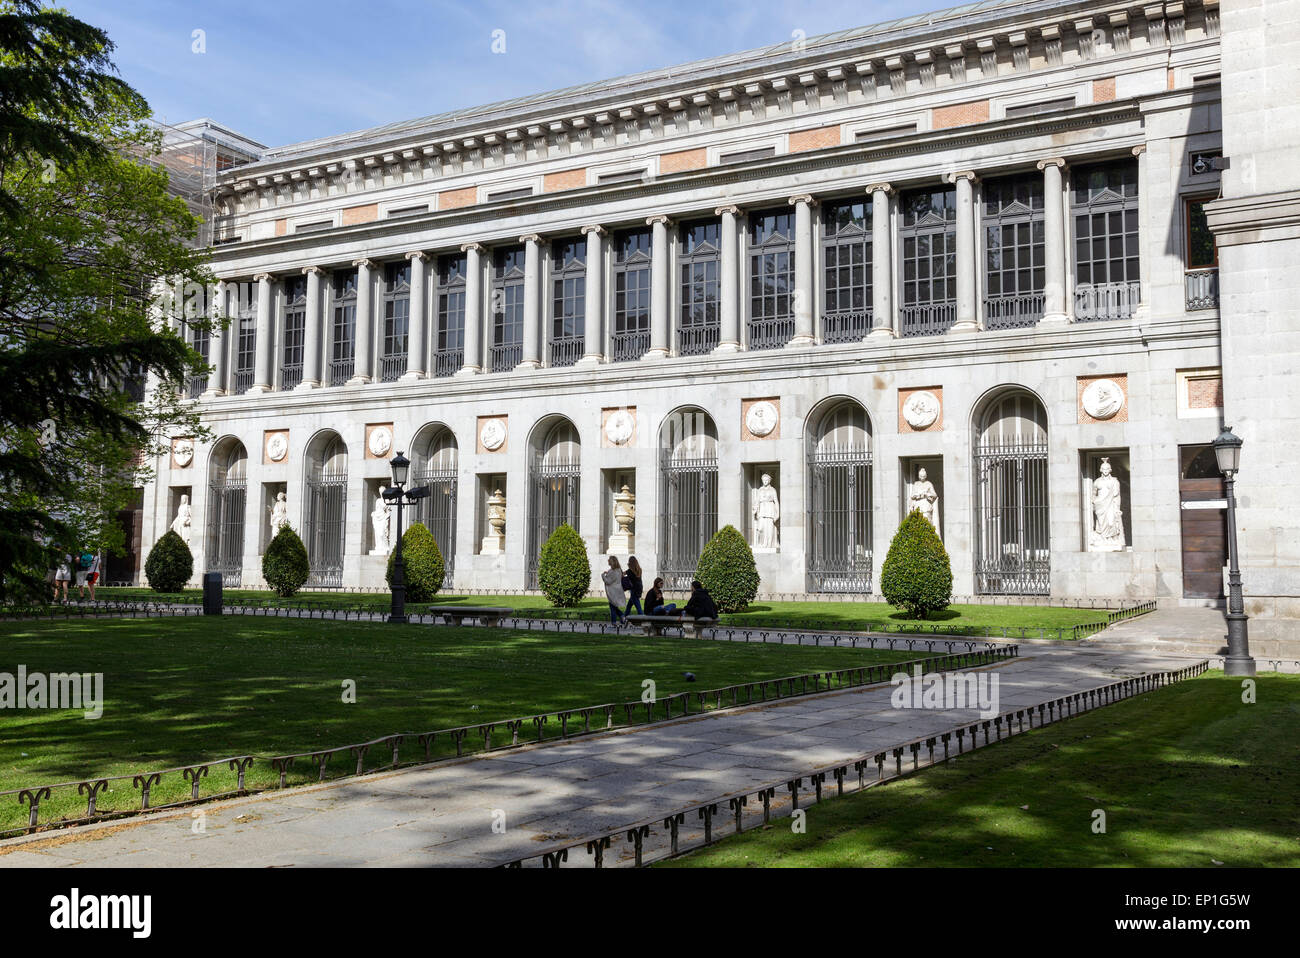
{"points": [[727, 569], [88, 231], [170, 564], [422, 563], [285, 565], [563, 569], [917, 575]]}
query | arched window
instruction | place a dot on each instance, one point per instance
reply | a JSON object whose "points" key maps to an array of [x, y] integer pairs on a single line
{"points": [[556, 460], [840, 497], [326, 508], [435, 461], [227, 502], [1012, 522], [688, 493]]}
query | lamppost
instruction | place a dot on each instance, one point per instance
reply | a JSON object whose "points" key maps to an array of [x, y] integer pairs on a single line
{"points": [[1227, 452], [401, 468]]}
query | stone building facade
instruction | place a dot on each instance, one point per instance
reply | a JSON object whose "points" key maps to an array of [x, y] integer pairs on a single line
{"points": [[973, 243]]}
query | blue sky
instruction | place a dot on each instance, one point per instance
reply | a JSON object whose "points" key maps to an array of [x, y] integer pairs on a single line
{"points": [[281, 71]]}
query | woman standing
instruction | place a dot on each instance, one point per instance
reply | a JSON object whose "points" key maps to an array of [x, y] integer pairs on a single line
{"points": [[613, 579], [62, 576], [632, 583]]}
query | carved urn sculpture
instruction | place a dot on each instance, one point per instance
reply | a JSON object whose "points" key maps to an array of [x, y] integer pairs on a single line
{"points": [[494, 543], [622, 540]]}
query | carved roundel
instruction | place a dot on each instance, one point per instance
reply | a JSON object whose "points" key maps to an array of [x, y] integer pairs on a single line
{"points": [[492, 435], [1103, 398], [381, 440], [277, 447], [182, 452], [619, 427], [761, 419], [921, 410]]}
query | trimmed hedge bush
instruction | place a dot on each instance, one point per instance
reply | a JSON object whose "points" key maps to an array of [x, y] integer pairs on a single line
{"points": [[564, 571], [170, 564], [285, 566], [422, 558], [917, 575], [726, 568]]}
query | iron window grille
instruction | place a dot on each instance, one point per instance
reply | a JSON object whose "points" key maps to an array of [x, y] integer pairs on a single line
{"points": [[929, 244], [840, 497], [569, 303], [226, 509], [397, 319], [1106, 261], [700, 250], [507, 350], [1014, 258], [553, 491], [771, 279], [295, 329], [847, 266], [688, 516], [630, 336], [437, 512], [344, 340], [326, 515], [449, 351]]}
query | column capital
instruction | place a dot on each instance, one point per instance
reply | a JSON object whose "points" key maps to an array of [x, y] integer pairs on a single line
{"points": [[1139, 150], [885, 188], [595, 230], [1057, 161], [657, 219], [956, 175], [733, 210], [807, 198], [531, 238], [367, 263], [416, 254], [263, 278], [476, 247], [309, 270]]}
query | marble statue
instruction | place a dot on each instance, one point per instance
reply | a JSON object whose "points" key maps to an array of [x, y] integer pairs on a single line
{"points": [[183, 524], [494, 543], [379, 518], [767, 513], [925, 499], [279, 513], [1108, 518], [622, 541]]}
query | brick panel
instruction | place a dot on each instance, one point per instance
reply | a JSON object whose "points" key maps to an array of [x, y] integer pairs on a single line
{"points": [[1103, 91], [566, 180], [1205, 392], [455, 199], [281, 227], [818, 139], [959, 114], [685, 160], [360, 214]]}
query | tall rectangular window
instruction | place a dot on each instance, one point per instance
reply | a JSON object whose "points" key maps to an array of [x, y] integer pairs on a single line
{"points": [[397, 319], [295, 326], [929, 262], [700, 252], [344, 327], [1202, 276], [771, 279], [847, 262], [1104, 203], [245, 345], [507, 308], [1014, 260], [200, 341], [569, 302], [630, 336], [449, 351]]}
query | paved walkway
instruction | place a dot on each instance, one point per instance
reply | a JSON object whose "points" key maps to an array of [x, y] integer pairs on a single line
{"points": [[1198, 631], [444, 814]]}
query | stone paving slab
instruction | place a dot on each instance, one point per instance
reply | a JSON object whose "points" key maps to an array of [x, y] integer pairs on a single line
{"points": [[443, 814]]}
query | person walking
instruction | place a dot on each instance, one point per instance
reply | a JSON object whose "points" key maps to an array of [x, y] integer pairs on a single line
{"points": [[654, 600], [613, 579], [632, 583], [62, 576], [84, 562], [92, 576]]}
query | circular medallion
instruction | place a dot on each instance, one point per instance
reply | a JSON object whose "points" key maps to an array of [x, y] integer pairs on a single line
{"points": [[761, 419], [1103, 398], [277, 447], [381, 440], [619, 426], [921, 410], [182, 452], [492, 435]]}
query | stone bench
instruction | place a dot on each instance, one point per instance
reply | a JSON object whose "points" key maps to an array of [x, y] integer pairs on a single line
{"points": [[456, 614], [655, 624]]}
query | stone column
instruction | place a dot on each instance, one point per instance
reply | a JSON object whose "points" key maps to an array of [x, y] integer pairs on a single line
{"points": [[729, 280], [472, 364], [217, 346], [362, 370], [416, 325], [1053, 242], [314, 333], [882, 263], [804, 293], [1144, 234], [532, 357], [967, 312], [660, 320], [262, 364], [594, 319]]}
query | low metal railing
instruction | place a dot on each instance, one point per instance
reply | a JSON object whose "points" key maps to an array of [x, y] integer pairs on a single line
{"points": [[447, 362], [567, 350], [290, 376], [846, 326], [1099, 301], [392, 367], [1013, 311], [340, 371], [1202, 286], [504, 357], [698, 340], [931, 319], [629, 347]]}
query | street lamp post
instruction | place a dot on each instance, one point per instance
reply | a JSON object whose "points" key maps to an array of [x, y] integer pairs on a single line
{"points": [[1227, 453], [401, 467]]}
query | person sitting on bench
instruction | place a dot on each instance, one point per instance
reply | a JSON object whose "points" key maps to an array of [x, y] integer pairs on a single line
{"points": [[654, 601], [700, 605]]}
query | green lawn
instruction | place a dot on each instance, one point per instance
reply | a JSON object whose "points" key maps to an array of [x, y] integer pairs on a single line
{"points": [[1187, 776], [186, 690], [858, 616]]}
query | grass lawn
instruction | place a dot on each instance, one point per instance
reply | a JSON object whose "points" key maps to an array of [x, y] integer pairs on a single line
{"points": [[1187, 776], [859, 616], [196, 689]]}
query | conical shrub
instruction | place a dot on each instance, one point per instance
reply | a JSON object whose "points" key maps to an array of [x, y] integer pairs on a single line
{"points": [[726, 568], [170, 564], [563, 569], [917, 575], [285, 566], [422, 560]]}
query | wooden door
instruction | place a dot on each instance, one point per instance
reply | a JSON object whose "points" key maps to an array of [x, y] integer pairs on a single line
{"points": [[1201, 495]]}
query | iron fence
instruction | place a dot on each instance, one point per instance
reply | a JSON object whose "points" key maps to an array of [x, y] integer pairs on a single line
{"points": [[290, 376], [1012, 532], [839, 558], [567, 350], [438, 514], [553, 490], [688, 516], [324, 531], [227, 502], [446, 362], [340, 371], [392, 367]]}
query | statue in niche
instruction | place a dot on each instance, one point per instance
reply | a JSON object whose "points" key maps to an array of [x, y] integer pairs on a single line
{"points": [[767, 513], [925, 499], [1107, 514], [379, 518], [183, 524], [279, 513]]}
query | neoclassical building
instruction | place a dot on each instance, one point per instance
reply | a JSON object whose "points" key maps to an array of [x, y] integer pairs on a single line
{"points": [[770, 290]]}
